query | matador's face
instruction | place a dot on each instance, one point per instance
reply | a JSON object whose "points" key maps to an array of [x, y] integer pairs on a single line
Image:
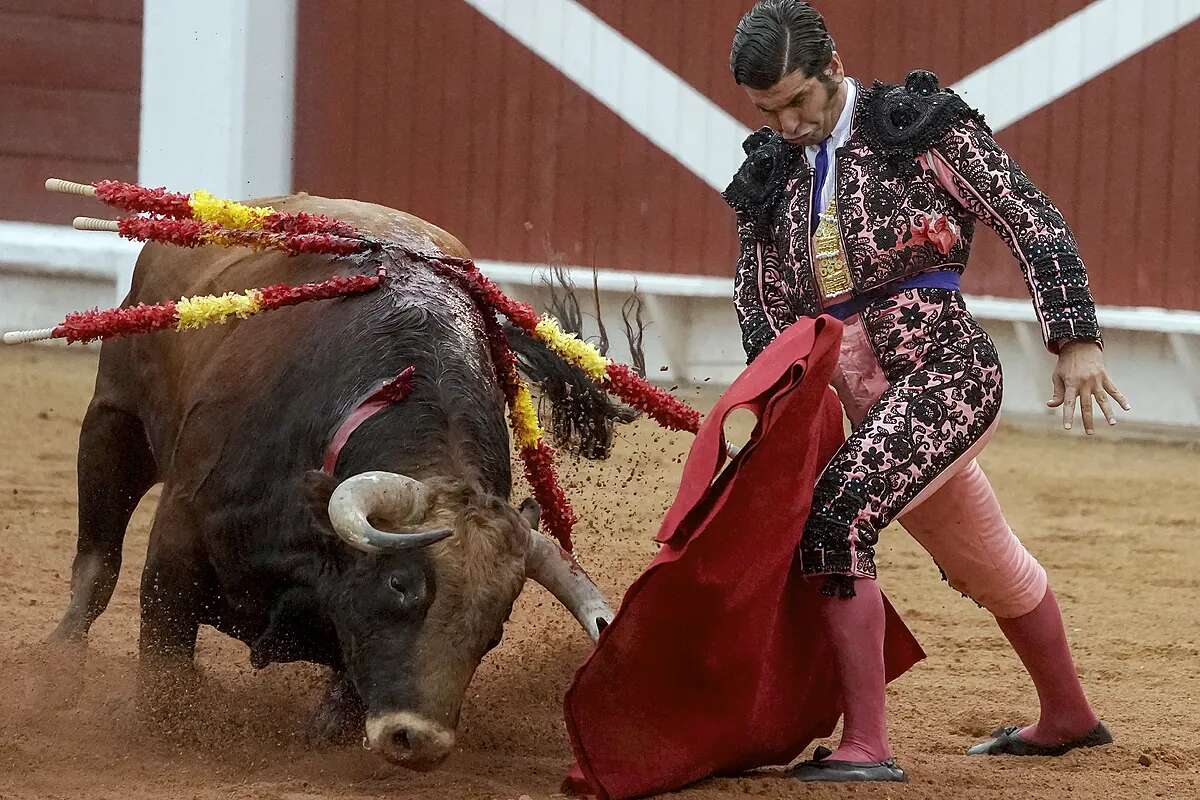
{"points": [[804, 109]]}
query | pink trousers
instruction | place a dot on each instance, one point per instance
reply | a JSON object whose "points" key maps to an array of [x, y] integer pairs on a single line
{"points": [[953, 512]]}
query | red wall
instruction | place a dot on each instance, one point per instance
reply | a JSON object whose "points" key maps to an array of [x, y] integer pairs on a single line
{"points": [[70, 76], [426, 105]]}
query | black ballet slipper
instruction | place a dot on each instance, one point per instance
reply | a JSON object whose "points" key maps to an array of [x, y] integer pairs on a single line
{"points": [[823, 769], [1006, 741]]}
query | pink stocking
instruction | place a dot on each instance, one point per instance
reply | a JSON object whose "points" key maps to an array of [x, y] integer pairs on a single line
{"points": [[1041, 642], [855, 628]]}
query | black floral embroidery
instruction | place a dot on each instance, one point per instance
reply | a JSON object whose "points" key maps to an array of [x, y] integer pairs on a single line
{"points": [[757, 287], [996, 190], [770, 292], [912, 317], [756, 191], [879, 196], [944, 393], [873, 458], [795, 239], [877, 204], [902, 122], [884, 238]]}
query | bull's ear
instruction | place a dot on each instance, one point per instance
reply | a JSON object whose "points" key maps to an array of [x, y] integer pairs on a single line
{"points": [[318, 488], [531, 512]]}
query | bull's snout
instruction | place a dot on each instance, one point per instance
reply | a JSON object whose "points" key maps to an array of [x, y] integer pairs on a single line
{"points": [[408, 739]]}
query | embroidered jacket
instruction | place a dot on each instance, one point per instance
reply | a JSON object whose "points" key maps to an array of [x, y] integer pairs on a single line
{"points": [[919, 169]]}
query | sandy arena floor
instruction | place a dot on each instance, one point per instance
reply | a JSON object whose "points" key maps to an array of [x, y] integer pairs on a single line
{"points": [[1115, 521]]}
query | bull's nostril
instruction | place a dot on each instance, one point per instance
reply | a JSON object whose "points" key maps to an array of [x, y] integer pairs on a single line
{"points": [[400, 739]]}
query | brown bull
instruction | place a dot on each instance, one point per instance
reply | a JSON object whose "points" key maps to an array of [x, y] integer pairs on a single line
{"points": [[400, 569]]}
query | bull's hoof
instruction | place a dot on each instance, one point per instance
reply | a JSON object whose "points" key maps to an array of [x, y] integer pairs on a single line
{"points": [[69, 632], [339, 718], [59, 679], [167, 695]]}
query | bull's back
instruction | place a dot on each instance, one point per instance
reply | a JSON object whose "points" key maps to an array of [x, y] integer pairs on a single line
{"points": [[164, 272], [181, 383]]}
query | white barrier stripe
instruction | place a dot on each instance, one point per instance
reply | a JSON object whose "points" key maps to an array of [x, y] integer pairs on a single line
{"points": [[706, 139]]}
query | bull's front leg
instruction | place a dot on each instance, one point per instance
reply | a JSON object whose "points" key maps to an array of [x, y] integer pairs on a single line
{"points": [[115, 470], [340, 716], [173, 587]]}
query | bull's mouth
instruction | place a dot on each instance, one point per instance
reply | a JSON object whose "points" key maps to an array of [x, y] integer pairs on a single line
{"points": [[421, 765], [409, 740]]}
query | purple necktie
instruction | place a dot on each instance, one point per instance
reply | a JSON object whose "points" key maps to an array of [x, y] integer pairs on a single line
{"points": [[818, 182]]}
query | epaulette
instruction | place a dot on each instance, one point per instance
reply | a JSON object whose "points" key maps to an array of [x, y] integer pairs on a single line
{"points": [[902, 122], [757, 188]]}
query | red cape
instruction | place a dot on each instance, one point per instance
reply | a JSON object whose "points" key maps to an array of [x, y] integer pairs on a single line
{"points": [[714, 663]]}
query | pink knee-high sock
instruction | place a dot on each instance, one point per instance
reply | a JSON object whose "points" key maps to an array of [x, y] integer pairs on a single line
{"points": [[1041, 641], [855, 627]]}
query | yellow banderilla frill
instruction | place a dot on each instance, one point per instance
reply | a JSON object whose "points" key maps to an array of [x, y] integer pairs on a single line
{"points": [[526, 428], [207, 207], [570, 347], [199, 312]]}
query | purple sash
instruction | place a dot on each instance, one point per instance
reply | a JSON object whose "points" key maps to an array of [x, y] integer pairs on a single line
{"points": [[934, 279]]}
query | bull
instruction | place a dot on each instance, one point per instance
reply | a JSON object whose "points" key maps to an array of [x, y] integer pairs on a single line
{"points": [[400, 568]]}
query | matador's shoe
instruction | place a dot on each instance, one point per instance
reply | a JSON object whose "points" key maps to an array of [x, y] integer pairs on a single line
{"points": [[1007, 741], [822, 768]]}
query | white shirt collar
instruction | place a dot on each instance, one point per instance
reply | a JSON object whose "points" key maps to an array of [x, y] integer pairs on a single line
{"points": [[841, 131]]}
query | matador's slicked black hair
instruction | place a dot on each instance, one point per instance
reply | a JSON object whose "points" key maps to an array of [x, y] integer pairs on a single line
{"points": [[777, 37]]}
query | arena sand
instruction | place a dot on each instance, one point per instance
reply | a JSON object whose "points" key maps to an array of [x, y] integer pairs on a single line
{"points": [[1114, 520]]}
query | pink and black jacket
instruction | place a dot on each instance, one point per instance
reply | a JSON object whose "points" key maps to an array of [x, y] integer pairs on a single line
{"points": [[919, 169]]}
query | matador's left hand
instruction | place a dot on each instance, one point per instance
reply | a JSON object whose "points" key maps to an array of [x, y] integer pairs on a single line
{"points": [[1080, 375]]}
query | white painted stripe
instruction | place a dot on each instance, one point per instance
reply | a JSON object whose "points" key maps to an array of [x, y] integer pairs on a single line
{"points": [[650, 98], [1064, 57], [706, 140]]}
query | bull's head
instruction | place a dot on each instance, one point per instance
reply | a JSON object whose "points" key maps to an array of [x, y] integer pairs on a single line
{"points": [[438, 570]]}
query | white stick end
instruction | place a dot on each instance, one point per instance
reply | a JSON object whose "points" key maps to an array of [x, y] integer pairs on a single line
{"points": [[24, 337], [70, 187], [93, 224]]}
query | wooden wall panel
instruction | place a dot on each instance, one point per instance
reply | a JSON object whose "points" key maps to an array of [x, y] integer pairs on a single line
{"points": [[492, 144], [428, 106], [110, 10], [70, 75], [1181, 283]]}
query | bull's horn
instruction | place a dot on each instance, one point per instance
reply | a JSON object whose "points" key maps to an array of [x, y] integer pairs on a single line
{"points": [[399, 496], [557, 570]]}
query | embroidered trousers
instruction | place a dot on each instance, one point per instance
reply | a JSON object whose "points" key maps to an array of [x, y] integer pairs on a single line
{"points": [[921, 384]]}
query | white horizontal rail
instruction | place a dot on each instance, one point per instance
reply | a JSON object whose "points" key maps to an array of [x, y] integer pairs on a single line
{"points": [[61, 250], [58, 249], [613, 280], [1127, 318], [984, 307]]}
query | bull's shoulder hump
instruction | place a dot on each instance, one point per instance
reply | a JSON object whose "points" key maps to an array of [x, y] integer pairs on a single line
{"points": [[376, 219]]}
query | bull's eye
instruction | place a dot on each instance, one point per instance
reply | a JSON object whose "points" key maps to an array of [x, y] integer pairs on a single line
{"points": [[397, 586]]}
